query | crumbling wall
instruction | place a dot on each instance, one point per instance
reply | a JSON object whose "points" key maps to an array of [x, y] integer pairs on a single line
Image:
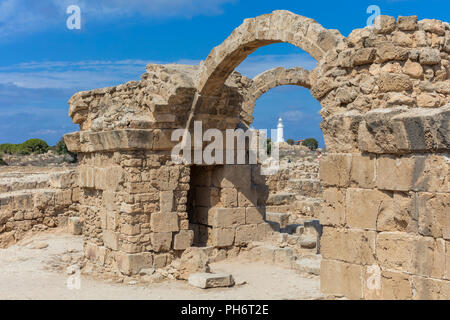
{"points": [[35, 200], [385, 107], [385, 103]]}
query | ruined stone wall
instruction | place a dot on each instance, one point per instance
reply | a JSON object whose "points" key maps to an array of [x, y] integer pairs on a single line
{"points": [[35, 200], [227, 205], [295, 189], [385, 108], [385, 103]]}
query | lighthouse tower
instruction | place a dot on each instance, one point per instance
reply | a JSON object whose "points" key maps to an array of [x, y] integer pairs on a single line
{"points": [[280, 131]]}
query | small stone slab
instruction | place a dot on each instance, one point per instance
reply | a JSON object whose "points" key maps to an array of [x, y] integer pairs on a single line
{"points": [[210, 280]]}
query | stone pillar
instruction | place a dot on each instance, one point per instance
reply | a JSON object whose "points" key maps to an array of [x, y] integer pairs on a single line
{"points": [[386, 174]]}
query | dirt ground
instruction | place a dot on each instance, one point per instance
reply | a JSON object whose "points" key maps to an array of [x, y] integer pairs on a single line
{"points": [[29, 270]]}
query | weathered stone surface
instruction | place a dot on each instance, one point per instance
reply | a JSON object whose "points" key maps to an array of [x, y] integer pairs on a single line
{"points": [[407, 23], [341, 278], [183, 240], [409, 253], [352, 246], [164, 221], [394, 82], [210, 280], [74, 225]]}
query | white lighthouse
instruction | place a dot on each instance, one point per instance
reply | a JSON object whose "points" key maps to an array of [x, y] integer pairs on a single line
{"points": [[280, 131]]}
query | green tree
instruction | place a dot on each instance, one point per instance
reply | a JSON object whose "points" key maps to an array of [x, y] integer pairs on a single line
{"points": [[34, 146], [290, 142], [9, 148], [311, 143], [61, 148]]}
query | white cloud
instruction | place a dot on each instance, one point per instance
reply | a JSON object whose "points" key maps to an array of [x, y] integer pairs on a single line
{"points": [[293, 115], [256, 64], [84, 75], [28, 16]]}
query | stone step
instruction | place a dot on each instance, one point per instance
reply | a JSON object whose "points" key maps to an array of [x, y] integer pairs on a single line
{"points": [[282, 219], [26, 200], [309, 264], [305, 187], [281, 198], [12, 182]]}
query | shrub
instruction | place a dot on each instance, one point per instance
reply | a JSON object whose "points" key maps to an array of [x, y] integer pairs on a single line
{"points": [[290, 142], [61, 148], [33, 146], [2, 162], [9, 148], [311, 143]]}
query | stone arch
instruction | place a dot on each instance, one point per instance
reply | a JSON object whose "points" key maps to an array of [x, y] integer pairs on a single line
{"points": [[268, 80], [279, 26]]}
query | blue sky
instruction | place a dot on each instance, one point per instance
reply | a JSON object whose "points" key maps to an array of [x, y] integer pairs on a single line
{"points": [[42, 63]]}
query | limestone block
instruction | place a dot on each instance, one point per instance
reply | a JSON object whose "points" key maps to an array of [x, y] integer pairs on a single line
{"points": [[434, 214], [282, 219], [429, 56], [341, 278], [405, 252], [447, 260], [229, 197], [363, 207], [402, 218], [363, 170], [364, 56], [413, 69], [397, 173], [399, 130], [352, 246], [386, 24], [166, 203], [430, 289], [74, 225], [387, 51], [164, 222], [248, 233], [111, 239], [130, 229], [72, 141], [332, 212], [394, 82], [407, 23], [131, 264], [160, 260], [210, 280], [161, 241], [223, 237], [248, 197], [254, 215], [226, 217], [335, 169], [183, 239], [395, 286]]}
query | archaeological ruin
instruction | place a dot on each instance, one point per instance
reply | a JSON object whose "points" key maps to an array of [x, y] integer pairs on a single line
{"points": [[380, 208]]}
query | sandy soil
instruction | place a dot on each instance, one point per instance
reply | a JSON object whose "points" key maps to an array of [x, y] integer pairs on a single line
{"points": [[29, 270]]}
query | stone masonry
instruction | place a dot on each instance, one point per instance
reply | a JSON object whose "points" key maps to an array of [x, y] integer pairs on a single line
{"points": [[385, 96]]}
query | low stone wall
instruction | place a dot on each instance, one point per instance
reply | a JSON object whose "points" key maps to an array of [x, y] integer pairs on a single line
{"points": [[296, 189], [35, 199]]}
